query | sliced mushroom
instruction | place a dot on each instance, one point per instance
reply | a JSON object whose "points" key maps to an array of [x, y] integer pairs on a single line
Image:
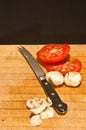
{"points": [[40, 108], [33, 103], [37, 105], [49, 102], [54, 77], [35, 120], [72, 79], [48, 113]]}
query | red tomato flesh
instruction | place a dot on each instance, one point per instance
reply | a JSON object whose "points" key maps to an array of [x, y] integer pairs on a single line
{"points": [[66, 67], [52, 53]]}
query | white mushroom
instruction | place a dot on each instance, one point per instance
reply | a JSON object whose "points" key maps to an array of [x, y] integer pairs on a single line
{"points": [[48, 113], [54, 77], [40, 108], [37, 105], [72, 79], [35, 120], [49, 102], [33, 103]]}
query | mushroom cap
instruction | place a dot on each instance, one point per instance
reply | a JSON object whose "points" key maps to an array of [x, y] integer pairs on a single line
{"points": [[54, 77], [72, 79]]}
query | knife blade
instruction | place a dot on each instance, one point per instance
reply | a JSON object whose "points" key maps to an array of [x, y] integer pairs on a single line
{"points": [[57, 103]]}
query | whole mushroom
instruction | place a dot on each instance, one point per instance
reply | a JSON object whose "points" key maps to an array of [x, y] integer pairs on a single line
{"points": [[54, 77], [72, 79]]}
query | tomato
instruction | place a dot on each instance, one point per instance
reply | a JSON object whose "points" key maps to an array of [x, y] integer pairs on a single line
{"points": [[52, 53], [66, 67]]}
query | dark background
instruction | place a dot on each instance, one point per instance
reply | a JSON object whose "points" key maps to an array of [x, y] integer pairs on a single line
{"points": [[42, 21]]}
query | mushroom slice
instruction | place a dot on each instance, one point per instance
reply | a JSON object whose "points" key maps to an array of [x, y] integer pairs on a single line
{"points": [[33, 103], [49, 102], [54, 77], [72, 79], [37, 105], [35, 120], [41, 106], [48, 113]]}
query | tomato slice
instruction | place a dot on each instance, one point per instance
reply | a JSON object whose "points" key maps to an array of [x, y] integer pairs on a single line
{"points": [[66, 67], [52, 53]]}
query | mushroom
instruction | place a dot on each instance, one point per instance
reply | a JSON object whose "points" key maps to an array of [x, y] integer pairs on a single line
{"points": [[54, 77], [33, 103], [42, 105], [48, 113], [41, 109], [35, 120], [72, 79], [37, 105], [49, 102]]}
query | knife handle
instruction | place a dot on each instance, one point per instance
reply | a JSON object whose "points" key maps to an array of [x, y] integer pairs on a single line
{"points": [[57, 103]]}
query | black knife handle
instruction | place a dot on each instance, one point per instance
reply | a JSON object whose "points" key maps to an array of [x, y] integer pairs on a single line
{"points": [[57, 103]]}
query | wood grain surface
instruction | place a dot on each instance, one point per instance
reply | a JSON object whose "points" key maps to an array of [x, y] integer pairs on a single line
{"points": [[18, 83]]}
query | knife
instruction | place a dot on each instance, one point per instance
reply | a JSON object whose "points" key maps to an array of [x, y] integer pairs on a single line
{"points": [[57, 103]]}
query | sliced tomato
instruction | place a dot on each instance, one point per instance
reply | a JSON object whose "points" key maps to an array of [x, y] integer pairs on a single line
{"points": [[66, 67], [52, 53]]}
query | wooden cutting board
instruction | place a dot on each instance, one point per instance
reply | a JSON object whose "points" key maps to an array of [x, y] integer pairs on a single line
{"points": [[18, 83]]}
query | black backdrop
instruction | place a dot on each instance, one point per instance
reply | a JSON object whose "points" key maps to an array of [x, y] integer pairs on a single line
{"points": [[41, 21]]}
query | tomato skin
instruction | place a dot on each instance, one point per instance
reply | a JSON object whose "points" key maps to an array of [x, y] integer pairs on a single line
{"points": [[66, 67], [52, 53]]}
